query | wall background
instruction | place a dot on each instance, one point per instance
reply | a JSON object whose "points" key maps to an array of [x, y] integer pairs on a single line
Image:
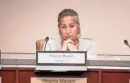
{"points": [[22, 22]]}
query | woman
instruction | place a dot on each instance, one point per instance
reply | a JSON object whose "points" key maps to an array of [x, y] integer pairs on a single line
{"points": [[69, 31]]}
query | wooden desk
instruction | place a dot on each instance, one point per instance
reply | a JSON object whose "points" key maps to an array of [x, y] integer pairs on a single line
{"points": [[23, 75], [13, 71]]}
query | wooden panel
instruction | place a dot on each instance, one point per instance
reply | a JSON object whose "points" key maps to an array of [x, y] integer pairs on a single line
{"points": [[25, 76], [92, 77], [8, 76], [0, 73], [113, 77], [0, 77]]}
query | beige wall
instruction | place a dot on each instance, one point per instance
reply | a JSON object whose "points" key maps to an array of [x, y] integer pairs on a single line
{"points": [[22, 22]]}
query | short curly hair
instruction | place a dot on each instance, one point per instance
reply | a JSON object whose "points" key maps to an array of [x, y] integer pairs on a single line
{"points": [[69, 12]]}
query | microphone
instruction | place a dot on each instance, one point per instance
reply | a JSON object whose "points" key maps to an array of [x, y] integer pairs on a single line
{"points": [[46, 40], [127, 43]]}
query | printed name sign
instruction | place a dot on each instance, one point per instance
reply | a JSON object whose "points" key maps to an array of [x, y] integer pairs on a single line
{"points": [[57, 80], [59, 57]]}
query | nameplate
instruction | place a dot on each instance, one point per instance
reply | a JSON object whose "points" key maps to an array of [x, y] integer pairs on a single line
{"points": [[57, 80], [61, 57]]}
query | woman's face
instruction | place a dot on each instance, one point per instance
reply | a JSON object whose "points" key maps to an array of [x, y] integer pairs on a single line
{"points": [[68, 28]]}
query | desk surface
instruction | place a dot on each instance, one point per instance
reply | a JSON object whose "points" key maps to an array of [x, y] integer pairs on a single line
{"points": [[92, 64], [101, 61]]}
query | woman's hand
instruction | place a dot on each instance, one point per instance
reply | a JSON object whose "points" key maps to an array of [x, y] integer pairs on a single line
{"points": [[72, 47], [68, 45]]}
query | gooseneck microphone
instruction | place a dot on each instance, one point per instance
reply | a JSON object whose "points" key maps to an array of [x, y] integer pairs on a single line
{"points": [[46, 40], [127, 43]]}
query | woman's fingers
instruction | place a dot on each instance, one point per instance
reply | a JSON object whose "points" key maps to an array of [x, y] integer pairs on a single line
{"points": [[72, 47], [69, 41], [68, 45]]}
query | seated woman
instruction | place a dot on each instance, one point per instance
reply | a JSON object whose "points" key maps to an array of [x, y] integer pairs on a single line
{"points": [[69, 31]]}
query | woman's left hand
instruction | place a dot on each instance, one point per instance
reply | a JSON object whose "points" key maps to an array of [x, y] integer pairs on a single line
{"points": [[68, 45], [72, 47]]}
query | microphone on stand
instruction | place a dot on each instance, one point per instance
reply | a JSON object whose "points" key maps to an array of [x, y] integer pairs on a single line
{"points": [[46, 40], [127, 43]]}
